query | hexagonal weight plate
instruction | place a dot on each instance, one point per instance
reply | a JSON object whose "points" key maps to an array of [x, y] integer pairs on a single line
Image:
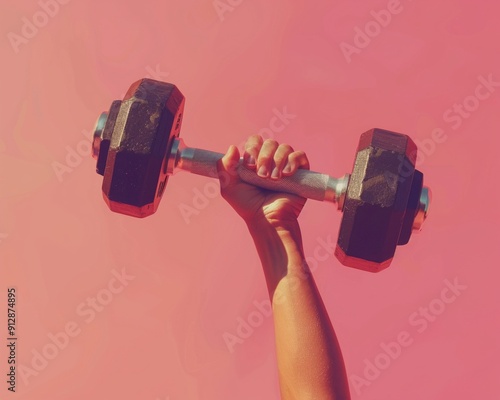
{"points": [[376, 200], [148, 120]]}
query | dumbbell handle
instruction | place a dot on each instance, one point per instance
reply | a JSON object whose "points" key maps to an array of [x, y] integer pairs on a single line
{"points": [[305, 183]]}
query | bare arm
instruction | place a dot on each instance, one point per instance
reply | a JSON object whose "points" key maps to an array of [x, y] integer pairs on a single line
{"points": [[309, 358]]}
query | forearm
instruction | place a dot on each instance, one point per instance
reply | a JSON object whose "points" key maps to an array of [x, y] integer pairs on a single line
{"points": [[309, 358]]}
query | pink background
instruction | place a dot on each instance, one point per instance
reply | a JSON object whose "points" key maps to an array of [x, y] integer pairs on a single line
{"points": [[162, 336]]}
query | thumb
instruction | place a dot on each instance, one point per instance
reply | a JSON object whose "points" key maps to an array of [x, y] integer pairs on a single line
{"points": [[227, 167]]}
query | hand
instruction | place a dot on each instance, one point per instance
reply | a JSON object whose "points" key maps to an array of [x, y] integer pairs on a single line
{"points": [[271, 161]]}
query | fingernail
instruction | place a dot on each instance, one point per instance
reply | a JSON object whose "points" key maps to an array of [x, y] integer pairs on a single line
{"points": [[287, 169], [262, 171], [275, 174]]}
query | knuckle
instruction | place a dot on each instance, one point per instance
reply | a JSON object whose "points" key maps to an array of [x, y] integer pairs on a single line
{"points": [[271, 143], [256, 139], [252, 148], [286, 148], [296, 155], [253, 141]]}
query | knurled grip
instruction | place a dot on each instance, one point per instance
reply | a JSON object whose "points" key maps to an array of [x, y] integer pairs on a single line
{"points": [[304, 183]]}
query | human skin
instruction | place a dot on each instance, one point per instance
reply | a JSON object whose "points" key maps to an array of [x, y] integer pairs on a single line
{"points": [[309, 358]]}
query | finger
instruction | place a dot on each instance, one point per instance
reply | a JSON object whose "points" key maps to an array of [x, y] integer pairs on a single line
{"points": [[280, 159], [296, 160], [252, 149], [227, 167], [265, 160]]}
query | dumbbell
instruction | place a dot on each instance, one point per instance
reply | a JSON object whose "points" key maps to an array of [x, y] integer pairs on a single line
{"points": [[137, 147]]}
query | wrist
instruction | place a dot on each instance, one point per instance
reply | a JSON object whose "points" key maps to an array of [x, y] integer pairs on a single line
{"points": [[279, 244], [285, 233]]}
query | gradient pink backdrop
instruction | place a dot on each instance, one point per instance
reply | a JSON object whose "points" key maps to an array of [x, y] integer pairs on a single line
{"points": [[162, 336]]}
